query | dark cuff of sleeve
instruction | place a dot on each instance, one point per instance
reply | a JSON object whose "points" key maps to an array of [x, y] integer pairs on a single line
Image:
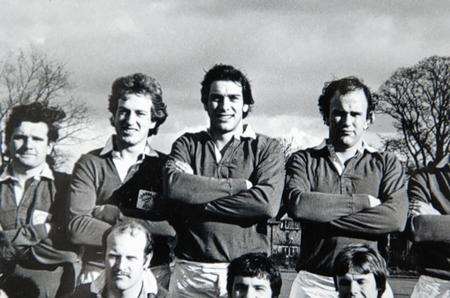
{"points": [[360, 202]]}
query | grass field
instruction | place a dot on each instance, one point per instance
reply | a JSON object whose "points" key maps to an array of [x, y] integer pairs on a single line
{"points": [[402, 286]]}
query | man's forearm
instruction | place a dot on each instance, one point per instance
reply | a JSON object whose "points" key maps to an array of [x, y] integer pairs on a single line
{"points": [[324, 207], [388, 217], [27, 235], [194, 189], [431, 228], [87, 230], [253, 203]]}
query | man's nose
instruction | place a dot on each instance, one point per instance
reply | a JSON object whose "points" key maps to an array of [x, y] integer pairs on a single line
{"points": [[250, 293], [347, 120], [28, 143], [121, 263], [130, 118], [225, 103]]}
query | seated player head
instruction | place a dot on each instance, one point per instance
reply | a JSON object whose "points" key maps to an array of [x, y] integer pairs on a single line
{"points": [[360, 271], [253, 275], [128, 251]]}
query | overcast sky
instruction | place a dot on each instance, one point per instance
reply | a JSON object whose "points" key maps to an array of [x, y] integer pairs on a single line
{"points": [[288, 49]]}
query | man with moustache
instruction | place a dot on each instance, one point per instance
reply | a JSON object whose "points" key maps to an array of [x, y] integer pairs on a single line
{"points": [[128, 250], [32, 198], [125, 173], [227, 181], [342, 191]]}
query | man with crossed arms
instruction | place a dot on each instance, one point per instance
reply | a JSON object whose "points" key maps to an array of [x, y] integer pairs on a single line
{"points": [[342, 191], [228, 181], [125, 173], [429, 225]]}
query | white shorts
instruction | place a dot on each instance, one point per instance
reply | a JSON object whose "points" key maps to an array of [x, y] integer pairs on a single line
{"points": [[90, 272], [430, 287], [310, 285], [197, 280]]}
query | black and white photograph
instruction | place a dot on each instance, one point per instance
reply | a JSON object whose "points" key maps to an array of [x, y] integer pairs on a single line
{"points": [[209, 148]]}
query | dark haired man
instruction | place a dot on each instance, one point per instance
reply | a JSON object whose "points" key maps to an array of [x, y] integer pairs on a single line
{"points": [[429, 225], [227, 181], [128, 250], [360, 271], [32, 200], [342, 191], [125, 173], [253, 275]]}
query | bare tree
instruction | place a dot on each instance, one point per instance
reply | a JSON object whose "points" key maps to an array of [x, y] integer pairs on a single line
{"points": [[31, 76], [418, 99]]}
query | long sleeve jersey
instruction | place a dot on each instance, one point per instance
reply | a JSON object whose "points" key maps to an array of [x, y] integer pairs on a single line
{"points": [[96, 186], [219, 219], [334, 207], [23, 224], [431, 233]]}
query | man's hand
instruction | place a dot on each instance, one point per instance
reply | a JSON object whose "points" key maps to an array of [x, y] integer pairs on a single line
{"points": [[249, 184], [48, 227], [374, 201], [422, 208], [180, 166], [108, 213]]}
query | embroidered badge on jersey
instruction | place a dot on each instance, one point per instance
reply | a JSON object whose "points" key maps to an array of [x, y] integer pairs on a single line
{"points": [[146, 199]]}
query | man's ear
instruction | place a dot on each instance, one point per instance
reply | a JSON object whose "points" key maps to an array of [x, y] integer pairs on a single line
{"points": [[147, 260], [369, 120], [50, 147], [245, 108]]}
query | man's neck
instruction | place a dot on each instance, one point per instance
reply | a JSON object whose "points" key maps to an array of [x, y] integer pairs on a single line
{"points": [[132, 292], [23, 174], [222, 139], [345, 154], [130, 152]]}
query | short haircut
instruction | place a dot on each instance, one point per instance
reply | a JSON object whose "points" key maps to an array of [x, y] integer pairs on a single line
{"points": [[139, 83], [223, 72], [35, 112], [343, 86], [130, 227], [255, 265], [362, 259]]}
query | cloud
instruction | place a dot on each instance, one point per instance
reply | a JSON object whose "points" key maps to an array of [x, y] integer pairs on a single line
{"points": [[288, 49]]}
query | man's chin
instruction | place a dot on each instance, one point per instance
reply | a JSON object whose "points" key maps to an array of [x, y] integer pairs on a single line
{"points": [[122, 283], [222, 128], [29, 163], [344, 143], [128, 141]]}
